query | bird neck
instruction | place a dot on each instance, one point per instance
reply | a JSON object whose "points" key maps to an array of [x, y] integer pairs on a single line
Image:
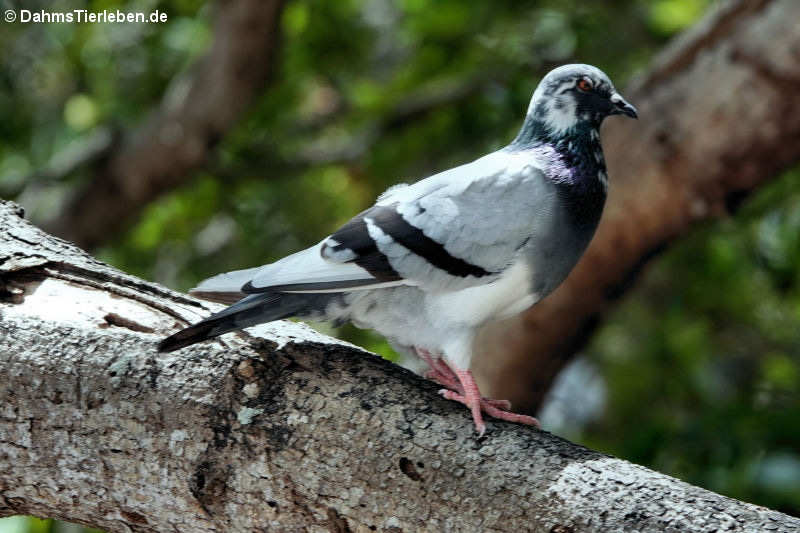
{"points": [[570, 157]]}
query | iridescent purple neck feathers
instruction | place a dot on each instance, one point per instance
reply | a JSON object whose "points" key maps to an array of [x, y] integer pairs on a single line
{"points": [[573, 157]]}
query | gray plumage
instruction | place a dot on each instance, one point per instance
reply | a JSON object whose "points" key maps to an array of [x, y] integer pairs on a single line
{"points": [[431, 262]]}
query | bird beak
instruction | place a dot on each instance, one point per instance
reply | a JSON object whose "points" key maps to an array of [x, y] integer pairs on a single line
{"points": [[621, 107]]}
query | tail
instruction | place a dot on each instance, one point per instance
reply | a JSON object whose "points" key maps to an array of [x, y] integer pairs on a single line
{"points": [[251, 310]]}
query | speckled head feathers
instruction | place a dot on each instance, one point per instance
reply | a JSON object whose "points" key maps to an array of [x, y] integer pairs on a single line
{"points": [[573, 94]]}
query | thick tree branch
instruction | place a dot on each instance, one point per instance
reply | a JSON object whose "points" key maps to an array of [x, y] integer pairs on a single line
{"points": [[195, 114], [718, 117], [279, 430]]}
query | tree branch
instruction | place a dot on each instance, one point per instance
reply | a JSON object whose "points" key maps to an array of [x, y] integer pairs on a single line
{"points": [[178, 138], [716, 113], [282, 429]]}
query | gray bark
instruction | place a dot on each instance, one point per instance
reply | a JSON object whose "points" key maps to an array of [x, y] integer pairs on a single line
{"points": [[281, 429]]}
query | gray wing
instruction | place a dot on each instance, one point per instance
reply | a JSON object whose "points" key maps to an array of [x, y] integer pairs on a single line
{"points": [[457, 229], [460, 228]]}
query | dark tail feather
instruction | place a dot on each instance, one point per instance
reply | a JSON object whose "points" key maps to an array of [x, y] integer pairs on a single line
{"points": [[249, 311], [199, 332]]}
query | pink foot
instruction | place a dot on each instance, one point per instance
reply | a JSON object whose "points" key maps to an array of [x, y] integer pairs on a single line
{"points": [[461, 387], [494, 408], [441, 373]]}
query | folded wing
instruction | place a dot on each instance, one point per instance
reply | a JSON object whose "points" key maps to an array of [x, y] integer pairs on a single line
{"points": [[456, 229]]}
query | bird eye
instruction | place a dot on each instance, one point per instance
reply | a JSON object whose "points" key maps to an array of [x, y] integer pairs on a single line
{"points": [[584, 84]]}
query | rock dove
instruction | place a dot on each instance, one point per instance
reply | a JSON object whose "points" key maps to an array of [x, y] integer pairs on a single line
{"points": [[430, 263]]}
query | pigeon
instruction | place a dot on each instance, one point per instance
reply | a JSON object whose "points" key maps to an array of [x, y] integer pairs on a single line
{"points": [[432, 262]]}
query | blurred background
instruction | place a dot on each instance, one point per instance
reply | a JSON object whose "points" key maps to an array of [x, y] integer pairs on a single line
{"points": [[696, 373]]}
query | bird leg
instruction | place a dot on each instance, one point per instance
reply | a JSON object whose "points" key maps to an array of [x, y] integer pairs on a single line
{"points": [[438, 371], [461, 387], [471, 397]]}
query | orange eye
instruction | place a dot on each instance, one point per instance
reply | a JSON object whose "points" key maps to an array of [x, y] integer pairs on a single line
{"points": [[584, 84]]}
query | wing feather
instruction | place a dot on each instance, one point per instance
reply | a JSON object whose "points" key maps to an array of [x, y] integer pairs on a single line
{"points": [[456, 229], [308, 271], [460, 228]]}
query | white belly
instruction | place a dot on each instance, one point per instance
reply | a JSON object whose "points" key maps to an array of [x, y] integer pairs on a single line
{"points": [[507, 296], [443, 322]]}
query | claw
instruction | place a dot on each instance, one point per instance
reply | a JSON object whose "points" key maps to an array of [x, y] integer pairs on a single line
{"points": [[494, 408], [461, 387]]}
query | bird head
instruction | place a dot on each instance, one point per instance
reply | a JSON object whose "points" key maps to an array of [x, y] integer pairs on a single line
{"points": [[572, 95]]}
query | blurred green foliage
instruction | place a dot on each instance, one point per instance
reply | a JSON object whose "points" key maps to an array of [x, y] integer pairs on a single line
{"points": [[30, 524], [701, 362]]}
